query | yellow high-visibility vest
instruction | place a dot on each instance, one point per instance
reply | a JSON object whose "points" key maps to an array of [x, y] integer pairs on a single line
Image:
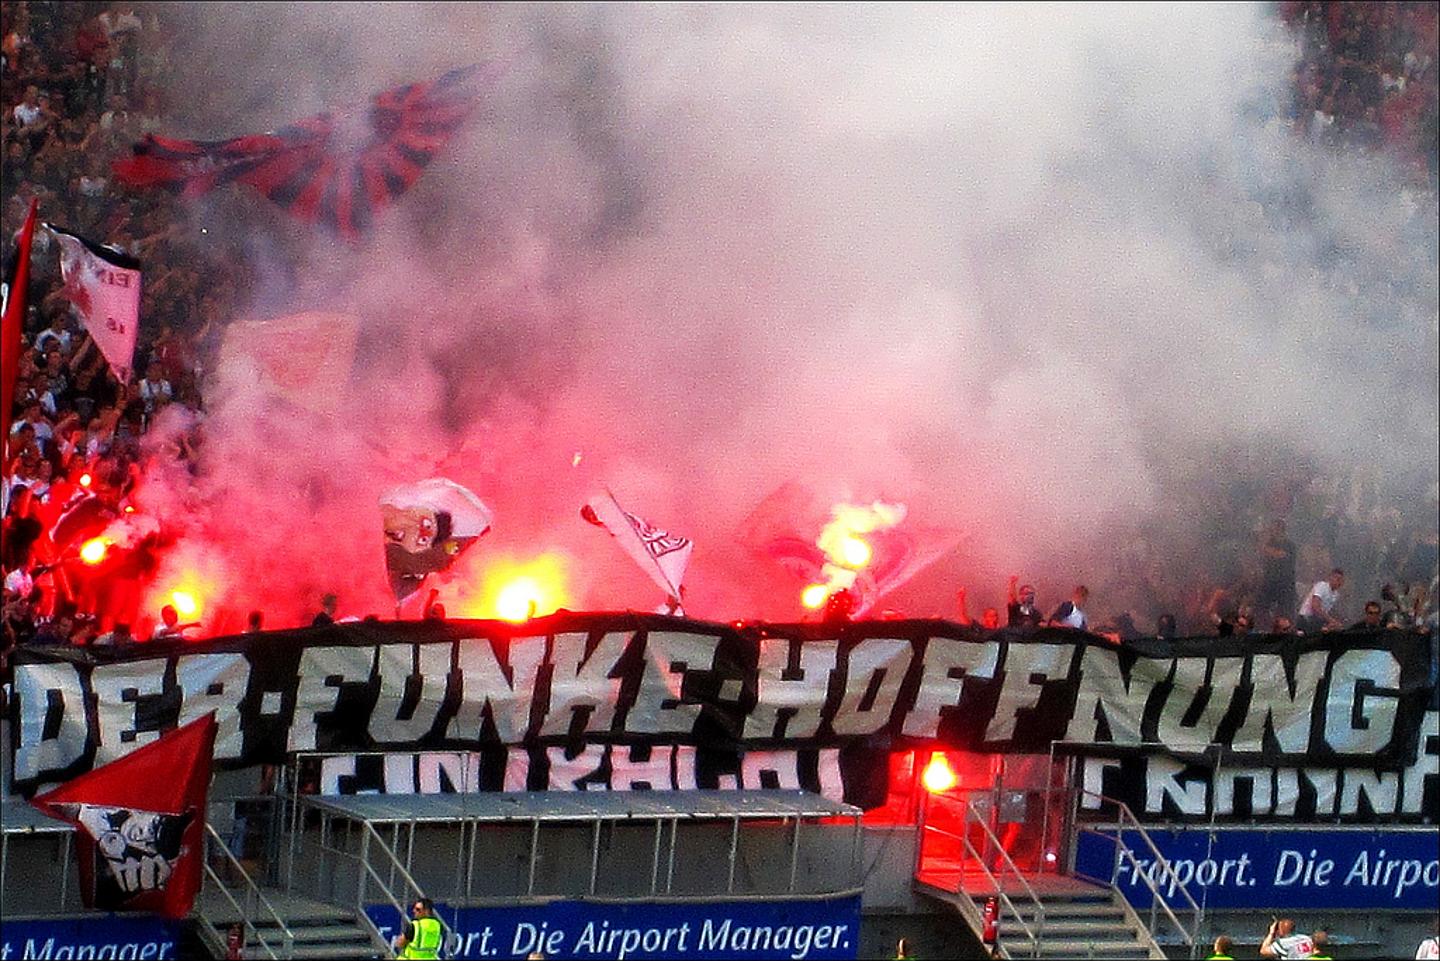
{"points": [[425, 941]]}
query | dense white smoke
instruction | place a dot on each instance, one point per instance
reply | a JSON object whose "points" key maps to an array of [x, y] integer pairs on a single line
{"points": [[1056, 277]]}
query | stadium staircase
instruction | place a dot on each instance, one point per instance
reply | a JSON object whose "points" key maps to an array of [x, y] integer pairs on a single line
{"points": [[276, 923], [1041, 912]]}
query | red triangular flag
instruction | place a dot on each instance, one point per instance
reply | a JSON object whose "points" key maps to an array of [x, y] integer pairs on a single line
{"points": [[141, 823]]}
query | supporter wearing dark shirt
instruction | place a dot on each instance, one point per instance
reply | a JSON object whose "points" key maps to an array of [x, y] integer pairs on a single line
{"points": [[1277, 579], [1021, 610]]}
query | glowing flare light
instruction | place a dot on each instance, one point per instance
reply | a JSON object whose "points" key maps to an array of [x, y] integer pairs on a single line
{"points": [[814, 596], [939, 777], [516, 591], [186, 604], [93, 551], [519, 600], [846, 552]]}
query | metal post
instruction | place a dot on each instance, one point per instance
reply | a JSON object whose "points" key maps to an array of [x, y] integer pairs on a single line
{"points": [[794, 854], [66, 846], [856, 856], [655, 857], [470, 860], [670, 867], [534, 854], [595, 855], [734, 852], [364, 860]]}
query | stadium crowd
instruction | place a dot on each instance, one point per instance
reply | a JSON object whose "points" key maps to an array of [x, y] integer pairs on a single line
{"points": [[84, 80]]}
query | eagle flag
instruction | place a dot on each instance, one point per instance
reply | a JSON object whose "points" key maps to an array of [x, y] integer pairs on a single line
{"points": [[427, 525], [141, 820], [338, 168], [104, 285], [662, 555]]}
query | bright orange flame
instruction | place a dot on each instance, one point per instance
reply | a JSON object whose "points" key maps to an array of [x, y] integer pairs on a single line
{"points": [[93, 551], [519, 600], [814, 596], [185, 603], [939, 777], [515, 591], [854, 552], [84, 480]]}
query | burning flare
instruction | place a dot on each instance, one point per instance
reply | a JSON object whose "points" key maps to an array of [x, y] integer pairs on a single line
{"points": [[93, 551], [846, 550], [516, 591]]}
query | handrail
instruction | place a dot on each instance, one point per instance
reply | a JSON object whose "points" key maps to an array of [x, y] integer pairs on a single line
{"points": [[252, 891], [1168, 873], [1033, 935], [368, 836]]}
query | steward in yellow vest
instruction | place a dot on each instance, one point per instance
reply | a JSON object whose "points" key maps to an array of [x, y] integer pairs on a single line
{"points": [[425, 935]]}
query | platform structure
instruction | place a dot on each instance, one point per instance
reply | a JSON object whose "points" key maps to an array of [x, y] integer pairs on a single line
{"points": [[28, 838], [469, 849]]}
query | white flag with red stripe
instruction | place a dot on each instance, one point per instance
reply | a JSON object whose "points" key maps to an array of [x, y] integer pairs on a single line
{"points": [[104, 285]]}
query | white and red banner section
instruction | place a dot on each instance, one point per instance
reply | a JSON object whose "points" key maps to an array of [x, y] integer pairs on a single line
{"points": [[1332, 726]]}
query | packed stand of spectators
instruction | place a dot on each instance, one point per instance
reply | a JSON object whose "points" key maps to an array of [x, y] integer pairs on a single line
{"points": [[1367, 77], [82, 82]]}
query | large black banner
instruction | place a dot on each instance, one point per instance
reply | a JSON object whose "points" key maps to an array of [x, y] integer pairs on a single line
{"points": [[621, 700]]}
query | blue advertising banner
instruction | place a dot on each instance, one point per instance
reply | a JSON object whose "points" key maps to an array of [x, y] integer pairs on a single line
{"points": [[797, 930], [1257, 869], [107, 936]]}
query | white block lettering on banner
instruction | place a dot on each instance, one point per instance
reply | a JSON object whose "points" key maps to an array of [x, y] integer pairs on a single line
{"points": [[1354, 722], [397, 665], [628, 774], [868, 659], [1190, 684], [1103, 688], [584, 683], [322, 671], [215, 682], [942, 680], [803, 694], [1027, 668], [1272, 701], [36, 687], [660, 705], [507, 694], [118, 690]]}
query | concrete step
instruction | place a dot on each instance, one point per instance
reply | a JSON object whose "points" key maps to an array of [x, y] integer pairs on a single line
{"points": [[1078, 931], [1090, 949], [321, 951]]}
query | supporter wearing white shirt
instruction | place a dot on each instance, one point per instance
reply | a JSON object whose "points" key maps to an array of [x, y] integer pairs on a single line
{"points": [[1318, 611], [28, 110], [1282, 942], [1429, 949], [1072, 613]]}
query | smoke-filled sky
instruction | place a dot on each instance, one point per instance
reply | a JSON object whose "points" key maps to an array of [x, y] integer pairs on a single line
{"points": [[1049, 275]]}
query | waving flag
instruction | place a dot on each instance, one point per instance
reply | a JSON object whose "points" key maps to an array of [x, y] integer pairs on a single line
{"points": [[427, 526], [304, 359], [12, 321], [104, 285], [662, 555], [338, 169], [804, 531], [143, 817]]}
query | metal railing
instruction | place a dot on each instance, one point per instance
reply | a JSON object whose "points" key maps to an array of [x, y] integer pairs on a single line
{"points": [[371, 844], [253, 898], [971, 817], [1125, 821]]}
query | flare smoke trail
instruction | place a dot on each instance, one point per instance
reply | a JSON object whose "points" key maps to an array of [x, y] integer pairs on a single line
{"points": [[1057, 277]]}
